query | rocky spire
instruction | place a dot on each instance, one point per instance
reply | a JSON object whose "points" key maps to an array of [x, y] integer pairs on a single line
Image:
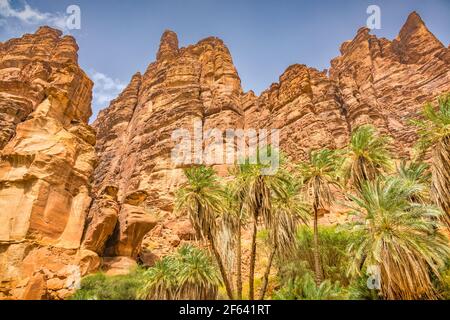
{"points": [[168, 46], [415, 40]]}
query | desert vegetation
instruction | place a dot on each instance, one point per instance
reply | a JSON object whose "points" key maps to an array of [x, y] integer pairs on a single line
{"points": [[396, 226]]}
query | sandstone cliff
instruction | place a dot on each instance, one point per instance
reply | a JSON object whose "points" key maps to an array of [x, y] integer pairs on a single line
{"points": [[47, 158], [375, 81], [184, 85], [68, 209]]}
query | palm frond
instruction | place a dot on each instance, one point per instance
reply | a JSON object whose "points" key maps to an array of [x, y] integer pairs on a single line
{"points": [[398, 236]]}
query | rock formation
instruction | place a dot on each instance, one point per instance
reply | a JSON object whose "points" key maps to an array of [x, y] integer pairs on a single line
{"points": [[134, 135], [66, 214], [375, 81], [47, 159]]}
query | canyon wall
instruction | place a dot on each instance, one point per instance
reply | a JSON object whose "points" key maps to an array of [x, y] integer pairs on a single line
{"points": [[68, 209], [47, 158]]}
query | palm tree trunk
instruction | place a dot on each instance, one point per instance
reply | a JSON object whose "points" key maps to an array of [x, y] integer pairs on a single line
{"points": [[251, 289], [221, 267], [317, 264], [266, 274], [239, 262]]}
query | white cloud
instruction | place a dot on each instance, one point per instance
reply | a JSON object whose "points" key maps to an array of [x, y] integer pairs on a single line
{"points": [[29, 16], [105, 89]]}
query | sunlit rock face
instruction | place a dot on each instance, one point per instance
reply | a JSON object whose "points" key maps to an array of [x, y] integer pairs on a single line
{"points": [[47, 158], [134, 134], [375, 81], [387, 82]]}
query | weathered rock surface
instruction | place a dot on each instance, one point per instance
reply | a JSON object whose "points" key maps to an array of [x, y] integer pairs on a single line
{"points": [[375, 81], [184, 85], [387, 82], [47, 158]]}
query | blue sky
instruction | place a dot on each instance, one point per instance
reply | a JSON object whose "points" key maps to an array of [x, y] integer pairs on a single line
{"points": [[119, 38]]}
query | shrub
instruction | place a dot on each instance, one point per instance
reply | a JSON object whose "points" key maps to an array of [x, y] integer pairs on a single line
{"points": [[305, 288], [333, 253], [99, 286], [190, 274]]}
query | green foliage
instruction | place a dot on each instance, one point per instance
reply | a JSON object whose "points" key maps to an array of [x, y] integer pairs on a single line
{"points": [[101, 287], [190, 274], [400, 237], [305, 288], [443, 284], [358, 290], [435, 123], [366, 157], [333, 254], [418, 175], [318, 174]]}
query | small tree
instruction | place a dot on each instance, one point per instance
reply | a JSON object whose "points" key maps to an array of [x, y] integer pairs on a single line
{"points": [[318, 175]]}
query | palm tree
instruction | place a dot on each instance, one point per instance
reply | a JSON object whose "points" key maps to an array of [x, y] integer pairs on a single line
{"points": [[318, 175], [287, 212], [203, 199], [399, 238], [161, 283], [234, 222], [366, 157], [197, 277], [417, 174], [187, 275], [434, 132], [255, 190]]}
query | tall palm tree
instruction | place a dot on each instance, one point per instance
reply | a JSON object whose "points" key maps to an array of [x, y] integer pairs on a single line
{"points": [[202, 198], [288, 211], [399, 238], [434, 132], [234, 222], [367, 156], [256, 190], [318, 175]]}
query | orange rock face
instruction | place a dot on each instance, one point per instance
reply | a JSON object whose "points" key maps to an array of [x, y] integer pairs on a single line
{"points": [[68, 209], [197, 83], [47, 158], [386, 82]]}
